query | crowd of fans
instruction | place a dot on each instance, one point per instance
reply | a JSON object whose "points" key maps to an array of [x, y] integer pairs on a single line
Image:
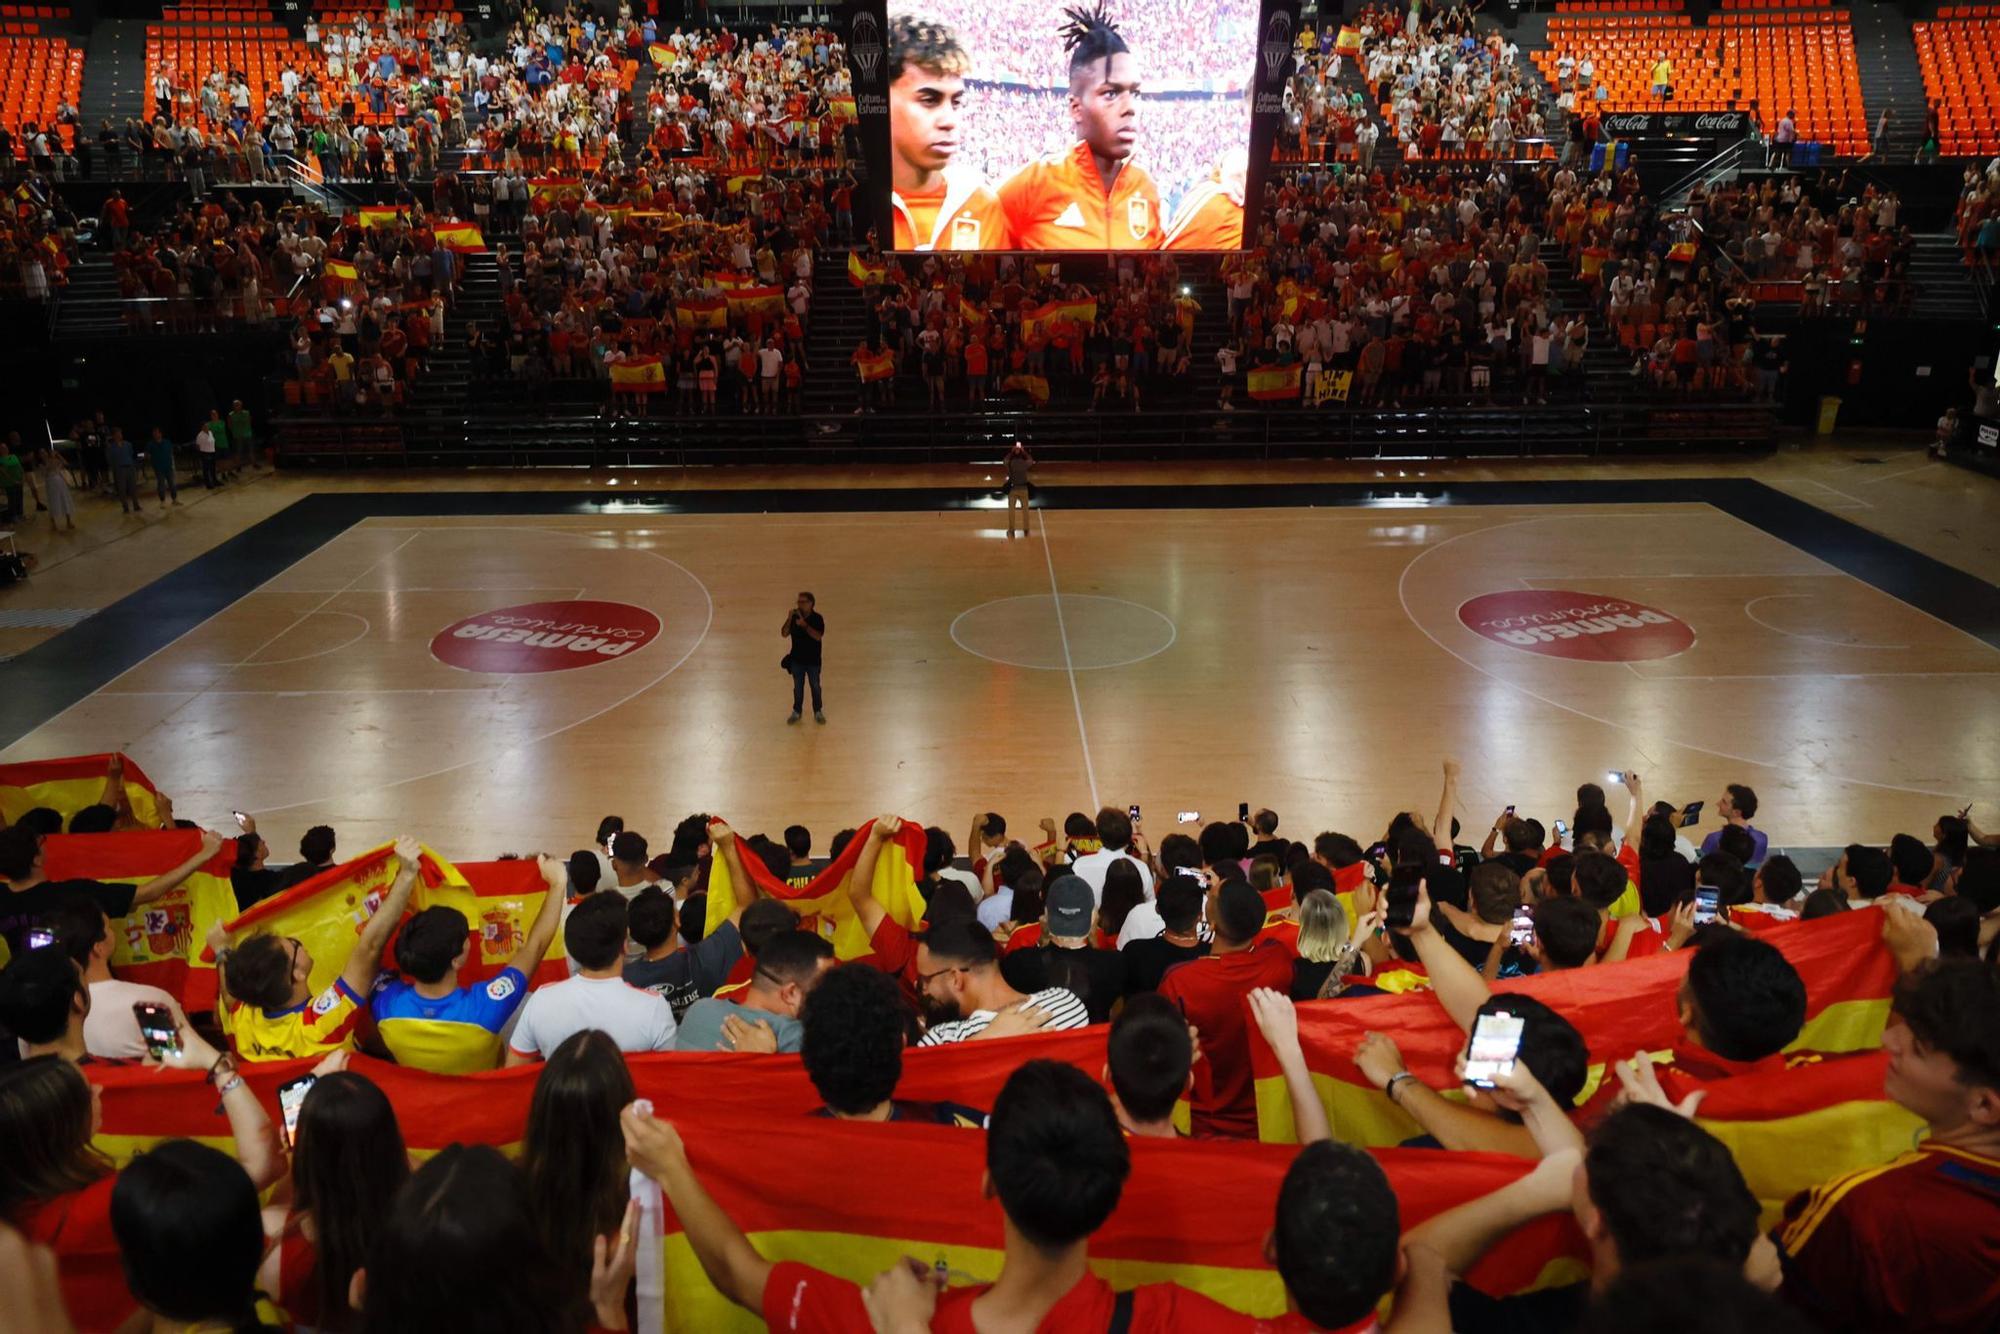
{"points": [[1447, 89], [1838, 238], [1978, 215], [1177, 45], [1181, 948]]}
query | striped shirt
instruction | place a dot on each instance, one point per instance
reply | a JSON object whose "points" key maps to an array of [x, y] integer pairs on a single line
{"points": [[1063, 1005]]}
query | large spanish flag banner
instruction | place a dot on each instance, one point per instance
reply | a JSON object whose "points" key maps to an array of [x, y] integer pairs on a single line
{"points": [[463, 237], [1348, 41], [733, 184], [702, 312], [1619, 1009], [638, 375], [555, 189], [380, 215], [848, 1206], [1043, 317], [879, 365], [160, 943], [1036, 387], [1270, 384], [761, 300], [69, 784], [842, 107], [865, 273], [822, 902]]}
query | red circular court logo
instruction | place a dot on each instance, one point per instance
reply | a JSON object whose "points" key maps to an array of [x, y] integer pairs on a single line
{"points": [[1581, 626], [545, 637]]}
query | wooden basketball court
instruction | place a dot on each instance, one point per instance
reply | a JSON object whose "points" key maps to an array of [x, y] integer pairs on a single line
{"points": [[1317, 660]]}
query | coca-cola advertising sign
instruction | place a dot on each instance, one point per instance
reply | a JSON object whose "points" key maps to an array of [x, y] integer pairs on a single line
{"points": [[1716, 124]]}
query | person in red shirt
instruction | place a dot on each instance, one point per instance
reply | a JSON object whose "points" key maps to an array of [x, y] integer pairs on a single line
{"points": [[1094, 197], [937, 205], [1210, 993], [1057, 1161], [1915, 1242]]}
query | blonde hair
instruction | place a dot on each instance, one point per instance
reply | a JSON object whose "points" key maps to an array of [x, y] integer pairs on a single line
{"points": [[1322, 927]]}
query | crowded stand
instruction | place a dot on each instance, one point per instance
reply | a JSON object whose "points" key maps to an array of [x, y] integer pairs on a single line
{"points": [[1445, 90], [1087, 1014]]}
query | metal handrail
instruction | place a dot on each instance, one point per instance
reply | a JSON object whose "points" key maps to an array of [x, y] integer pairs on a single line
{"points": [[1709, 172]]}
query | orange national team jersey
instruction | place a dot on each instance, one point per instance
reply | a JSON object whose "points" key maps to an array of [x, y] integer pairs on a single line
{"points": [[1208, 220], [1059, 203], [964, 214]]}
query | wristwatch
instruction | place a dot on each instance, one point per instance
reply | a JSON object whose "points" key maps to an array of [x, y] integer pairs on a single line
{"points": [[1395, 1082]]}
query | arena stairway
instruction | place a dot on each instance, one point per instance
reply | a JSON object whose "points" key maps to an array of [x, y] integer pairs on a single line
{"points": [[89, 305], [837, 321], [1944, 289], [1891, 79], [114, 74], [1607, 367]]}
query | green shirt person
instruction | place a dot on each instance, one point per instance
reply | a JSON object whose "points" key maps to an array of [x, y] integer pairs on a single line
{"points": [[241, 435], [219, 431]]}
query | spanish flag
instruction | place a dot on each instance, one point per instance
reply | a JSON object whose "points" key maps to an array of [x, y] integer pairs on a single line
{"points": [[727, 279], [1036, 387], [1619, 1009], [842, 107], [878, 365], [1270, 384], [865, 273], [1171, 1224], [342, 270], [763, 300], [555, 188], [506, 896], [1590, 262], [974, 316], [463, 237], [638, 375], [380, 215], [662, 55], [1600, 213], [328, 911], [735, 181], [160, 944], [1043, 317], [1348, 42], [822, 903], [69, 784], [699, 312], [1681, 252]]}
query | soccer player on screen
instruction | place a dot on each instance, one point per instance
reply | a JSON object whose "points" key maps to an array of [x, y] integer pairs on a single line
{"points": [[1094, 197], [937, 205], [1211, 217]]}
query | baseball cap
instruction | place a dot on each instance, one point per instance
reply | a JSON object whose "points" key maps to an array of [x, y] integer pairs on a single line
{"points": [[1071, 905]]}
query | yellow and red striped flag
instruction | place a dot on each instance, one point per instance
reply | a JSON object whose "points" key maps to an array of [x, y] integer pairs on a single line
{"points": [[728, 279], [68, 784], [865, 273], [505, 898], [555, 188], [764, 300], [1348, 42], [464, 237], [380, 215], [1036, 387], [1270, 384], [1043, 317], [822, 903], [160, 943], [971, 314], [662, 55], [638, 375], [736, 180], [699, 312], [842, 106], [1681, 252], [879, 365], [344, 271]]}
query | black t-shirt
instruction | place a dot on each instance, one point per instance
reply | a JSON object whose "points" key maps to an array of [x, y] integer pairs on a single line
{"points": [[1147, 961], [806, 649], [21, 909], [1271, 847], [1036, 969], [1547, 1311]]}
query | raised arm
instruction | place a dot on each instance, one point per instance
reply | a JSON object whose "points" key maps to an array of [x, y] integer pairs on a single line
{"points": [[1447, 802], [726, 1255], [1459, 987], [1278, 1020], [861, 880], [1463, 1234], [366, 961], [723, 844], [258, 1147], [1635, 809], [161, 884], [114, 791], [542, 931]]}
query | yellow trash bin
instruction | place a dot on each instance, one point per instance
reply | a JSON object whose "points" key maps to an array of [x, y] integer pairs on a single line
{"points": [[1829, 413]]}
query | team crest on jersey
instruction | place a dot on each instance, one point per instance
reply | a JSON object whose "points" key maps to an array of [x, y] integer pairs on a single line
{"points": [[965, 232], [1138, 218], [325, 1001], [500, 988]]}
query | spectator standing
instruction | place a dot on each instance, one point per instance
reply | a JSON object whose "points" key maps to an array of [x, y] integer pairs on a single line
{"points": [[204, 449], [160, 454], [1211, 992], [123, 463]]}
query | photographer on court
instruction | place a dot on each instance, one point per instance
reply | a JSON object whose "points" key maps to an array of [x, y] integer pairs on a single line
{"points": [[806, 628]]}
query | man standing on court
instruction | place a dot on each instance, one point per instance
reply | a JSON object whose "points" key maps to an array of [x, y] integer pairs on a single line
{"points": [[1020, 483], [806, 628]]}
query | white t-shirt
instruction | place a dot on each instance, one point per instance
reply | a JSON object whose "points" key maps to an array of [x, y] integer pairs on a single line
{"points": [[111, 1030], [1092, 867], [1066, 1009], [769, 362], [636, 1020]]}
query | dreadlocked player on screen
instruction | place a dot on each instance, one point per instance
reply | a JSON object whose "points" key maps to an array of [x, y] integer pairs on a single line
{"points": [[938, 204], [1093, 197]]}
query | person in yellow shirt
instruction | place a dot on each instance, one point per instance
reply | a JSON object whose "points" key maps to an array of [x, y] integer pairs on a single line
{"points": [[1663, 76], [427, 1020], [267, 982]]}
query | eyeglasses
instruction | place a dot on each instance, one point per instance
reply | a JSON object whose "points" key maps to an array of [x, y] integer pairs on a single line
{"points": [[924, 979]]}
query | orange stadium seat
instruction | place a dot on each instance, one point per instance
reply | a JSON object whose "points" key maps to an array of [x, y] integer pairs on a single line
{"points": [[1960, 59], [36, 75], [1770, 63], [254, 43]]}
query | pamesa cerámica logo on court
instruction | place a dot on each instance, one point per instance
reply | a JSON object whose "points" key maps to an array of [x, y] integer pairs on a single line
{"points": [[1587, 627], [545, 637]]}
